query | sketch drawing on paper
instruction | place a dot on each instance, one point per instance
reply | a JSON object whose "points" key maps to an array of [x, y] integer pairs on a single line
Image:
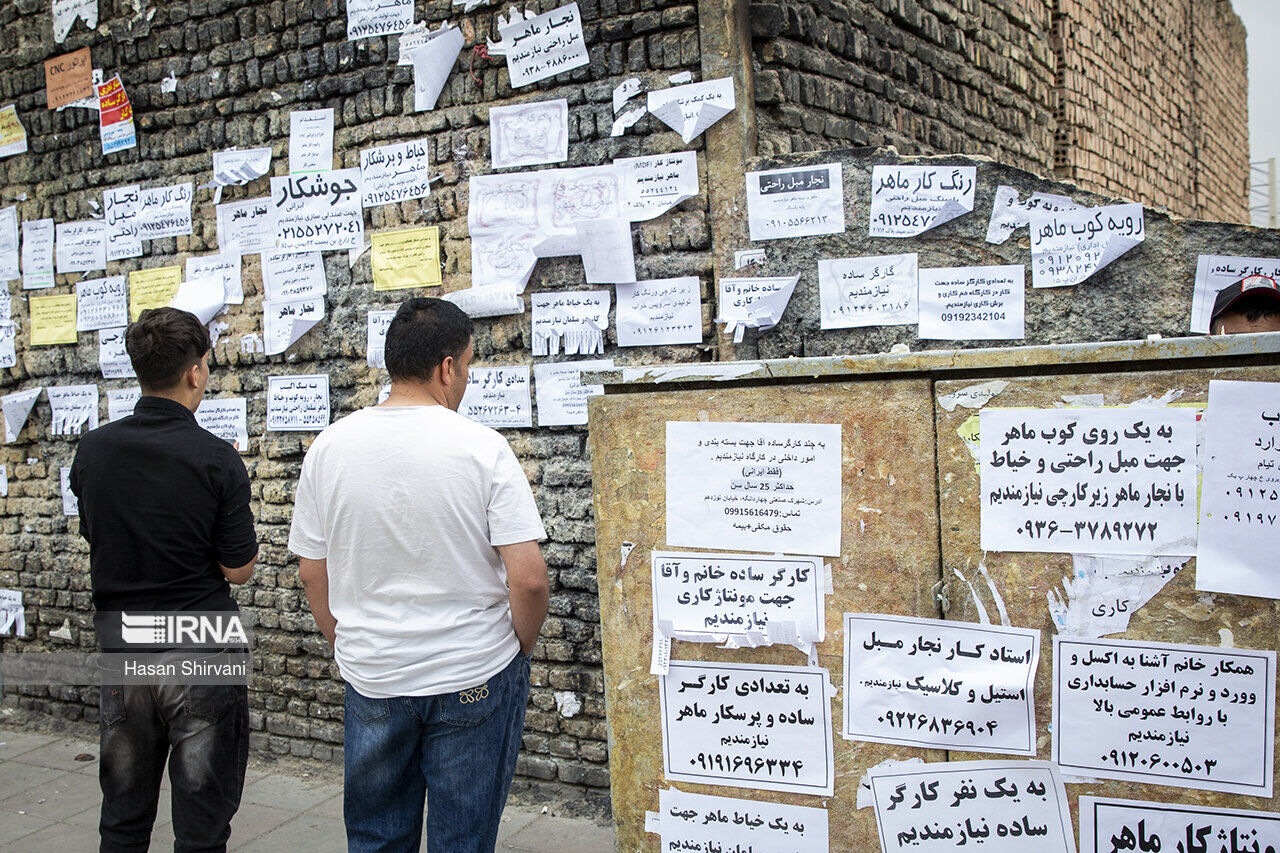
{"points": [[577, 197], [532, 134]]}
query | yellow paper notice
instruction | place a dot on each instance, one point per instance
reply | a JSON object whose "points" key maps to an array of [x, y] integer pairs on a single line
{"points": [[53, 320], [409, 258], [153, 288], [13, 136]]}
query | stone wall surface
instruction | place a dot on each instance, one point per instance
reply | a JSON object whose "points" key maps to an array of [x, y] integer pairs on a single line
{"points": [[970, 76]]}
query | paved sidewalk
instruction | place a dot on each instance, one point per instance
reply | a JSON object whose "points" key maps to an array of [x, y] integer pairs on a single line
{"points": [[49, 799]]}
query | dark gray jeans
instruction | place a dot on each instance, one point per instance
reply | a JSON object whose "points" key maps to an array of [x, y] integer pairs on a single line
{"points": [[203, 732]]}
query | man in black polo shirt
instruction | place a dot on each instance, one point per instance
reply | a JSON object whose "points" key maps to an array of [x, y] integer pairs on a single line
{"points": [[164, 506]]}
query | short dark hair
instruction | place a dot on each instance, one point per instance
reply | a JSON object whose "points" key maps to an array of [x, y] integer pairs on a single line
{"points": [[1253, 306], [422, 334], [163, 344]]}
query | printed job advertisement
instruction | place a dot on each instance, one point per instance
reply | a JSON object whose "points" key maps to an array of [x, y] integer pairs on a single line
{"points": [[1008, 214], [120, 212], [909, 200], [879, 290], [660, 311], [1089, 481], [1240, 501], [562, 395], [748, 726], [698, 823], [394, 173], [246, 226], [653, 185], [226, 418], [801, 202], [544, 45], [692, 108], [1109, 825], [1004, 806], [770, 487], [973, 303], [318, 212], [1068, 246], [940, 684], [310, 141], [1164, 714], [757, 599], [498, 397], [298, 402]]}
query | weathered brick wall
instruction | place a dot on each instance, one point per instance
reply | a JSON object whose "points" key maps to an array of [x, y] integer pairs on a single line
{"points": [[1152, 102], [241, 67], [1121, 97]]}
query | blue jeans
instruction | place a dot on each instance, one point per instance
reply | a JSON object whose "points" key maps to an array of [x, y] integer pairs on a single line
{"points": [[456, 749]]}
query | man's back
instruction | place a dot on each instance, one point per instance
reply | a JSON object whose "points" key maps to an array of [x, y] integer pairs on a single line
{"points": [[162, 503], [406, 504]]}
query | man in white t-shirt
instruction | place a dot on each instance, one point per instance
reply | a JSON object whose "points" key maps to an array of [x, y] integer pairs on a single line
{"points": [[418, 537]]}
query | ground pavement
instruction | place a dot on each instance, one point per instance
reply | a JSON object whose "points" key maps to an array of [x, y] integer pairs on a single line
{"points": [[49, 799]]}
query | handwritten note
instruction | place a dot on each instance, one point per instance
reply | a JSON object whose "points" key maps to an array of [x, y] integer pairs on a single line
{"points": [[101, 303], [529, 134], [1008, 214], [756, 303], [227, 418], [1089, 481], [73, 408], [770, 487], [653, 185], [68, 78], [1005, 806], [1240, 502], [973, 303], [17, 408], [1165, 714], [498, 397], [113, 358], [544, 45], [394, 173], [310, 141], [1068, 246], [879, 290], [1110, 825], [1215, 272], [152, 288], [165, 211], [53, 319], [318, 212], [37, 254], [246, 227], [575, 319], [9, 244], [297, 403], [739, 599], [747, 726], [367, 18], [694, 107], [115, 117], [698, 823], [660, 311], [81, 246], [910, 200], [121, 401], [225, 268], [940, 684], [801, 202], [406, 258], [120, 212], [376, 345]]}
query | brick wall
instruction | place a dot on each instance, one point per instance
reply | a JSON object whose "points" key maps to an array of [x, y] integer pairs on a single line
{"points": [[241, 67], [1121, 97]]}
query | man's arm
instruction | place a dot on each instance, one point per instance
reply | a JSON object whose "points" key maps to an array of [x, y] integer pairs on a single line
{"points": [[239, 575], [315, 581], [529, 590]]}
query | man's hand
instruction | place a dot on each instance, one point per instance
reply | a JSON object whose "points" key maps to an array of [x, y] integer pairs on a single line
{"points": [[529, 590], [315, 581]]}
